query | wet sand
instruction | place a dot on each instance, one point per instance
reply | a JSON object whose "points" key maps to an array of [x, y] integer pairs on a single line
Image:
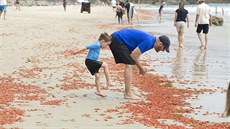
{"points": [[40, 37]]}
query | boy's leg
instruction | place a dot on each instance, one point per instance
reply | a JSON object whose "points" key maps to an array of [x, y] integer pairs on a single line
{"points": [[98, 85], [106, 72], [4, 15]]}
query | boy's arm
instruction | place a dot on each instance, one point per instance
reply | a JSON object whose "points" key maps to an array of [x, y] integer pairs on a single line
{"points": [[80, 50]]}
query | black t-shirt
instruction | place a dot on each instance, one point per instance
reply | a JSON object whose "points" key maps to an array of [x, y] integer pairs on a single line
{"points": [[127, 6], [181, 15]]}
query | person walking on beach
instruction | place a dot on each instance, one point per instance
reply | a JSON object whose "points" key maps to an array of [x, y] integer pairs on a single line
{"points": [[113, 3], [119, 13], [17, 4], [3, 8], [130, 9], [227, 108], [92, 62], [180, 19], [128, 45], [160, 10], [203, 21], [64, 4]]}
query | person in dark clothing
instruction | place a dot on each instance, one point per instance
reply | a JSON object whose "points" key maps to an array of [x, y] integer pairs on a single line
{"points": [[119, 13], [160, 10], [64, 4]]}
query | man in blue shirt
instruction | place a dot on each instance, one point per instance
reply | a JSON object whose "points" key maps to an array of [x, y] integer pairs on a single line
{"points": [[128, 45], [92, 62]]}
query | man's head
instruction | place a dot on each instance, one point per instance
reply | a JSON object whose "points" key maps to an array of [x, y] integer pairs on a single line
{"points": [[162, 44], [201, 1], [166, 42]]}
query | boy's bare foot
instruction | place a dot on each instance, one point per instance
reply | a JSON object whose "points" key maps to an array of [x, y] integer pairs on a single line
{"points": [[100, 94], [133, 96], [111, 84]]}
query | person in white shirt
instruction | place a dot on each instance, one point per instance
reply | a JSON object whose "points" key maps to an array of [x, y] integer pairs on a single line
{"points": [[203, 21], [113, 3], [3, 8]]}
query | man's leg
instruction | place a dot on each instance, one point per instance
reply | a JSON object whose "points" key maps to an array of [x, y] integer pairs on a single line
{"points": [[128, 76], [206, 41], [200, 38]]}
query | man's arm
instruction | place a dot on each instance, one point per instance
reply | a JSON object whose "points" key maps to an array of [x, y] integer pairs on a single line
{"points": [[136, 53], [196, 21]]}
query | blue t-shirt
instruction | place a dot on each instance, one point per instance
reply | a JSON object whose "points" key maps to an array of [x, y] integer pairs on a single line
{"points": [[133, 38], [181, 15], [94, 50]]}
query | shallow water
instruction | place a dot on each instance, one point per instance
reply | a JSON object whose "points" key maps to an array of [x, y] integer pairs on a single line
{"points": [[209, 68]]}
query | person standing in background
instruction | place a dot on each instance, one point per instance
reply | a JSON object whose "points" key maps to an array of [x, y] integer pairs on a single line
{"points": [[180, 19], [227, 108], [17, 4], [119, 13], [113, 3], [3, 8], [160, 10], [130, 9], [203, 21], [64, 4]]}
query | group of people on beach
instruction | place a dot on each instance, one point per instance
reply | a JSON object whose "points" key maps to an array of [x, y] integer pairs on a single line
{"points": [[203, 21], [122, 8], [127, 46]]}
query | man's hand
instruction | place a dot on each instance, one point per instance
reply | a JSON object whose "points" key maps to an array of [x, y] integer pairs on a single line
{"points": [[142, 71], [196, 24]]}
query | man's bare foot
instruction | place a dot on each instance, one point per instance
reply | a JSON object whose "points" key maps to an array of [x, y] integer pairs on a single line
{"points": [[133, 96], [181, 46], [100, 94], [202, 46], [205, 47]]}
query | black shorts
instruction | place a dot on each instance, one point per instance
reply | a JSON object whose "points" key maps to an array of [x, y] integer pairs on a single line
{"points": [[120, 52], [204, 27], [93, 65]]}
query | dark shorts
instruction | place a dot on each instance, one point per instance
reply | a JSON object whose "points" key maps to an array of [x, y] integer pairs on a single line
{"points": [[93, 65], [204, 27], [120, 52]]}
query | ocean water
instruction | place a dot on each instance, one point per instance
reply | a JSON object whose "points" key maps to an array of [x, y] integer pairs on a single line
{"points": [[216, 8]]}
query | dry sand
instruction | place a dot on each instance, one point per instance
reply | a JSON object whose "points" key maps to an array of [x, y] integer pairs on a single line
{"points": [[41, 36]]}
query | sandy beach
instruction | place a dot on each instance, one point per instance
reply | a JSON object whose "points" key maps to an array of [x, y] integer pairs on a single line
{"points": [[43, 86]]}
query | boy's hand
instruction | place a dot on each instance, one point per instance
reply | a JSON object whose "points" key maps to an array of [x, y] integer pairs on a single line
{"points": [[73, 53]]}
